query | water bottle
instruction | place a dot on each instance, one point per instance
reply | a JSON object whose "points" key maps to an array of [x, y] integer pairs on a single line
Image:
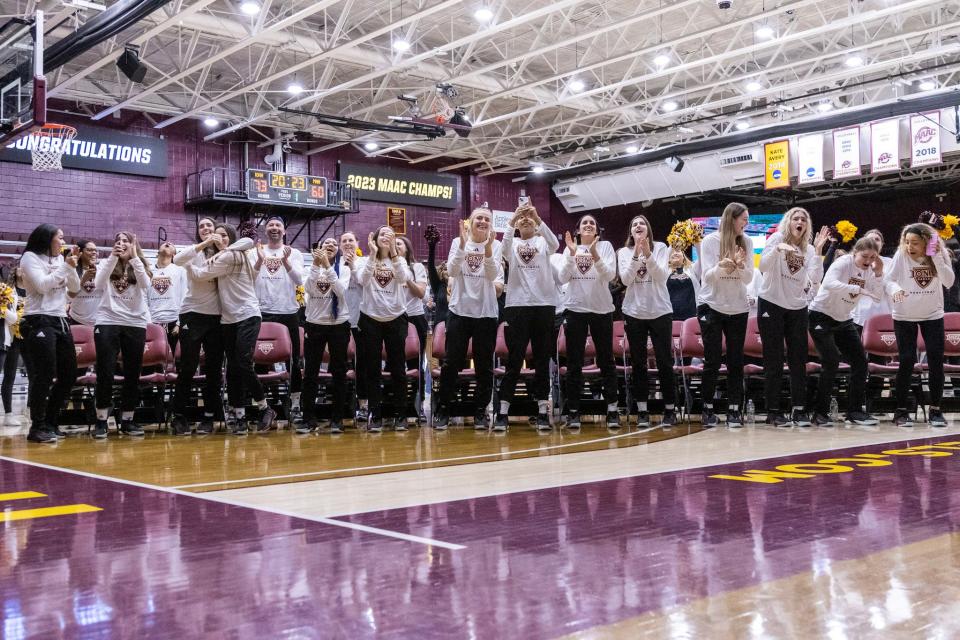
{"points": [[834, 410], [751, 413]]}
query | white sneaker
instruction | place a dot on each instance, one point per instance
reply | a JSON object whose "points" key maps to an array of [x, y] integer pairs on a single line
{"points": [[11, 420]]}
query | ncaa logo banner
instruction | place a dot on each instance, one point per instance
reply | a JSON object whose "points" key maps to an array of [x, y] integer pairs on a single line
{"points": [[810, 159], [885, 146], [846, 152], [777, 161], [925, 139]]}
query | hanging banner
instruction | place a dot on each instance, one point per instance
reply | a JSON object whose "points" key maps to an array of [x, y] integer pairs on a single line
{"points": [[777, 160], [885, 146], [401, 186], [810, 159], [846, 152], [925, 139]]}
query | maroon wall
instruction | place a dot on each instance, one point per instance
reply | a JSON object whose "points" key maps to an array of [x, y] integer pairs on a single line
{"points": [[95, 205]]}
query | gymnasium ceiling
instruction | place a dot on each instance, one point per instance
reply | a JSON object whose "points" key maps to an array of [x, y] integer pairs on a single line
{"points": [[556, 83]]}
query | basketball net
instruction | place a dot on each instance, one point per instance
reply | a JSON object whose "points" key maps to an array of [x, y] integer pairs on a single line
{"points": [[52, 142]]}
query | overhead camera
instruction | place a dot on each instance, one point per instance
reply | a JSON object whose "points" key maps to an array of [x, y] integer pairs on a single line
{"points": [[724, 4]]}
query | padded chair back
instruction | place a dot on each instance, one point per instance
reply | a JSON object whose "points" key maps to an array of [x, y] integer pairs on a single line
{"points": [[273, 344], [752, 343], [879, 338], [691, 340], [951, 338], [156, 349], [84, 345]]}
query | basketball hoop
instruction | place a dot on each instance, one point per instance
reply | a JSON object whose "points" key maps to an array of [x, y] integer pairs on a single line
{"points": [[52, 142]]}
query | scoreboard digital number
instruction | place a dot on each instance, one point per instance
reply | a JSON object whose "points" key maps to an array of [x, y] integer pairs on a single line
{"points": [[286, 188]]}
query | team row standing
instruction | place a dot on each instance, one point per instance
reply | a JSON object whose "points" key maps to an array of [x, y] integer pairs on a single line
{"points": [[228, 285]]}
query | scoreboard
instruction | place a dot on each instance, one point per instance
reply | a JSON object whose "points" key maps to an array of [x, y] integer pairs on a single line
{"points": [[286, 188]]}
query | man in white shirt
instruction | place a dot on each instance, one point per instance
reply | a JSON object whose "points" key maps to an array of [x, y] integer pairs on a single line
{"points": [[279, 270]]}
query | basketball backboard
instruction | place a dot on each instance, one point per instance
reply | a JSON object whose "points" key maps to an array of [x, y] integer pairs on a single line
{"points": [[23, 100]]}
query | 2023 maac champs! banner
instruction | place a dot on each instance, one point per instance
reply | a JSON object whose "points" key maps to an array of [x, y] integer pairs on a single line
{"points": [[100, 150], [925, 146], [885, 146], [846, 152], [402, 186], [810, 159]]}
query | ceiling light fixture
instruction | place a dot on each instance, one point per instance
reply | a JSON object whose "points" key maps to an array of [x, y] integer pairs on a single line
{"points": [[669, 106], [483, 14], [753, 86], [538, 169], [823, 107], [401, 45], [928, 85], [577, 85], [854, 61], [211, 122], [250, 8], [295, 88], [371, 146], [661, 60], [742, 125], [631, 148], [765, 32]]}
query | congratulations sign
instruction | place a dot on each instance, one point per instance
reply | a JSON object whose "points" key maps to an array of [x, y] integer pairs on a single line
{"points": [[777, 155], [99, 150], [885, 146], [386, 184], [846, 152], [925, 139]]}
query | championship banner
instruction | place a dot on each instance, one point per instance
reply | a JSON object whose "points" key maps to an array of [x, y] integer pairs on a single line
{"points": [[885, 146], [925, 139], [846, 152], [810, 159], [777, 162], [401, 186]]}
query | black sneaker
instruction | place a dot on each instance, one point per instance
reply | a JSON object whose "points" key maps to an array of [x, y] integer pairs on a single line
{"points": [[734, 419], [57, 432], [613, 420], [902, 419], [709, 419], [542, 422], [573, 420], [100, 430], [296, 415], [306, 426], [180, 426], [500, 422], [643, 419], [936, 418], [669, 419], [363, 414], [130, 428], [800, 418], [239, 427], [441, 420], [374, 425], [205, 427], [778, 420], [480, 421], [265, 423], [820, 420], [400, 424], [862, 419], [336, 426], [44, 437]]}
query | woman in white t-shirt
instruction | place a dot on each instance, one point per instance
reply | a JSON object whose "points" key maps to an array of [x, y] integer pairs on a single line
{"points": [[383, 324], [415, 294], [85, 302], [644, 266], [474, 269], [726, 268], [121, 328], [920, 269], [589, 267], [168, 286], [790, 268]]}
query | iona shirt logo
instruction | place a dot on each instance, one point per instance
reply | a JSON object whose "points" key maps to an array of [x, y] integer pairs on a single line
{"points": [[86, 281], [583, 261], [323, 287], [794, 262], [641, 273], [923, 276], [120, 285], [474, 261], [161, 284], [272, 264], [860, 282], [527, 252], [383, 277]]}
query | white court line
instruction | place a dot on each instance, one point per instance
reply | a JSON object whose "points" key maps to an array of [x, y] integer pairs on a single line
{"points": [[393, 465], [237, 503]]}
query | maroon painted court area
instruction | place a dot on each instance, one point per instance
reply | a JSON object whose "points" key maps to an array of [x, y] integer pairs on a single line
{"points": [[537, 564]]}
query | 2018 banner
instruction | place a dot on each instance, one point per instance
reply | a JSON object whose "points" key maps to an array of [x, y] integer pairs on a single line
{"points": [[925, 146], [810, 159], [885, 146]]}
